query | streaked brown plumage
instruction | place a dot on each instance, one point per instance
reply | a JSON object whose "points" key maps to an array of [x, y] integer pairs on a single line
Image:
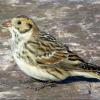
{"points": [[41, 56]]}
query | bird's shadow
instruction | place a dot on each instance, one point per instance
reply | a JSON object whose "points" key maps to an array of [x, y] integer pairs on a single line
{"points": [[77, 79], [74, 79]]}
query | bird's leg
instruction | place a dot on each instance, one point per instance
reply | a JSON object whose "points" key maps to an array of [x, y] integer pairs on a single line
{"points": [[28, 81], [37, 84], [46, 84]]}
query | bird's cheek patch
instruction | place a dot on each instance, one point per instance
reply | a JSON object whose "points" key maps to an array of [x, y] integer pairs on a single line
{"points": [[29, 25], [24, 29]]}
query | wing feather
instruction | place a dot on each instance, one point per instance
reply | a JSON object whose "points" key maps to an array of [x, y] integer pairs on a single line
{"points": [[55, 52]]}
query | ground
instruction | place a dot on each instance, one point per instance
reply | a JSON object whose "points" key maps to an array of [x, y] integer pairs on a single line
{"points": [[75, 23]]}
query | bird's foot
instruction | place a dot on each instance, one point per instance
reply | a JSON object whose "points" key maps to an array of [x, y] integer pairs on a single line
{"points": [[45, 85], [38, 85], [28, 81]]}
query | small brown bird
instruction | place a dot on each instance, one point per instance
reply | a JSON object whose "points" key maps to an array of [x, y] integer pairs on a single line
{"points": [[41, 56]]}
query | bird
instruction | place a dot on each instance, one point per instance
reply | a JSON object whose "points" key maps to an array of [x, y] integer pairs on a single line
{"points": [[41, 56]]}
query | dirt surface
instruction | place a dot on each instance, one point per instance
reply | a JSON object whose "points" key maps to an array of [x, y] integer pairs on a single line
{"points": [[74, 22]]}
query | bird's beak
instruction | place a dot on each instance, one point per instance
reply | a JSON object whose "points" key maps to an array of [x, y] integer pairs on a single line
{"points": [[7, 23]]}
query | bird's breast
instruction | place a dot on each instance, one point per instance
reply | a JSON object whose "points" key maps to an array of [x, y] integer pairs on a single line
{"points": [[33, 70]]}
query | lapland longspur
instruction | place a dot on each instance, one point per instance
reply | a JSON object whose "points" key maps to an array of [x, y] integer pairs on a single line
{"points": [[41, 56]]}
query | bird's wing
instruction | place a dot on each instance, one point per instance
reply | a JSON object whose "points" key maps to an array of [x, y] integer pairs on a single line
{"points": [[51, 53], [55, 52], [59, 56]]}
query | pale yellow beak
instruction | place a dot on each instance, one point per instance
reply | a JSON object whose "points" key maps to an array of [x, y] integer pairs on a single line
{"points": [[7, 23]]}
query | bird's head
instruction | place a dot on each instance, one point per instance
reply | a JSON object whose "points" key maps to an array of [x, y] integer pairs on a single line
{"points": [[21, 25]]}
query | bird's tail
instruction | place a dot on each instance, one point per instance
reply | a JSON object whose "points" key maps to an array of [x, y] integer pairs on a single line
{"points": [[89, 70]]}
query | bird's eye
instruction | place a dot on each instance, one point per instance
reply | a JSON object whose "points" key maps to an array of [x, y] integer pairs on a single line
{"points": [[19, 22]]}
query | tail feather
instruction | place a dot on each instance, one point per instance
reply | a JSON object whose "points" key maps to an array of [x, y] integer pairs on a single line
{"points": [[87, 69], [92, 70]]}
